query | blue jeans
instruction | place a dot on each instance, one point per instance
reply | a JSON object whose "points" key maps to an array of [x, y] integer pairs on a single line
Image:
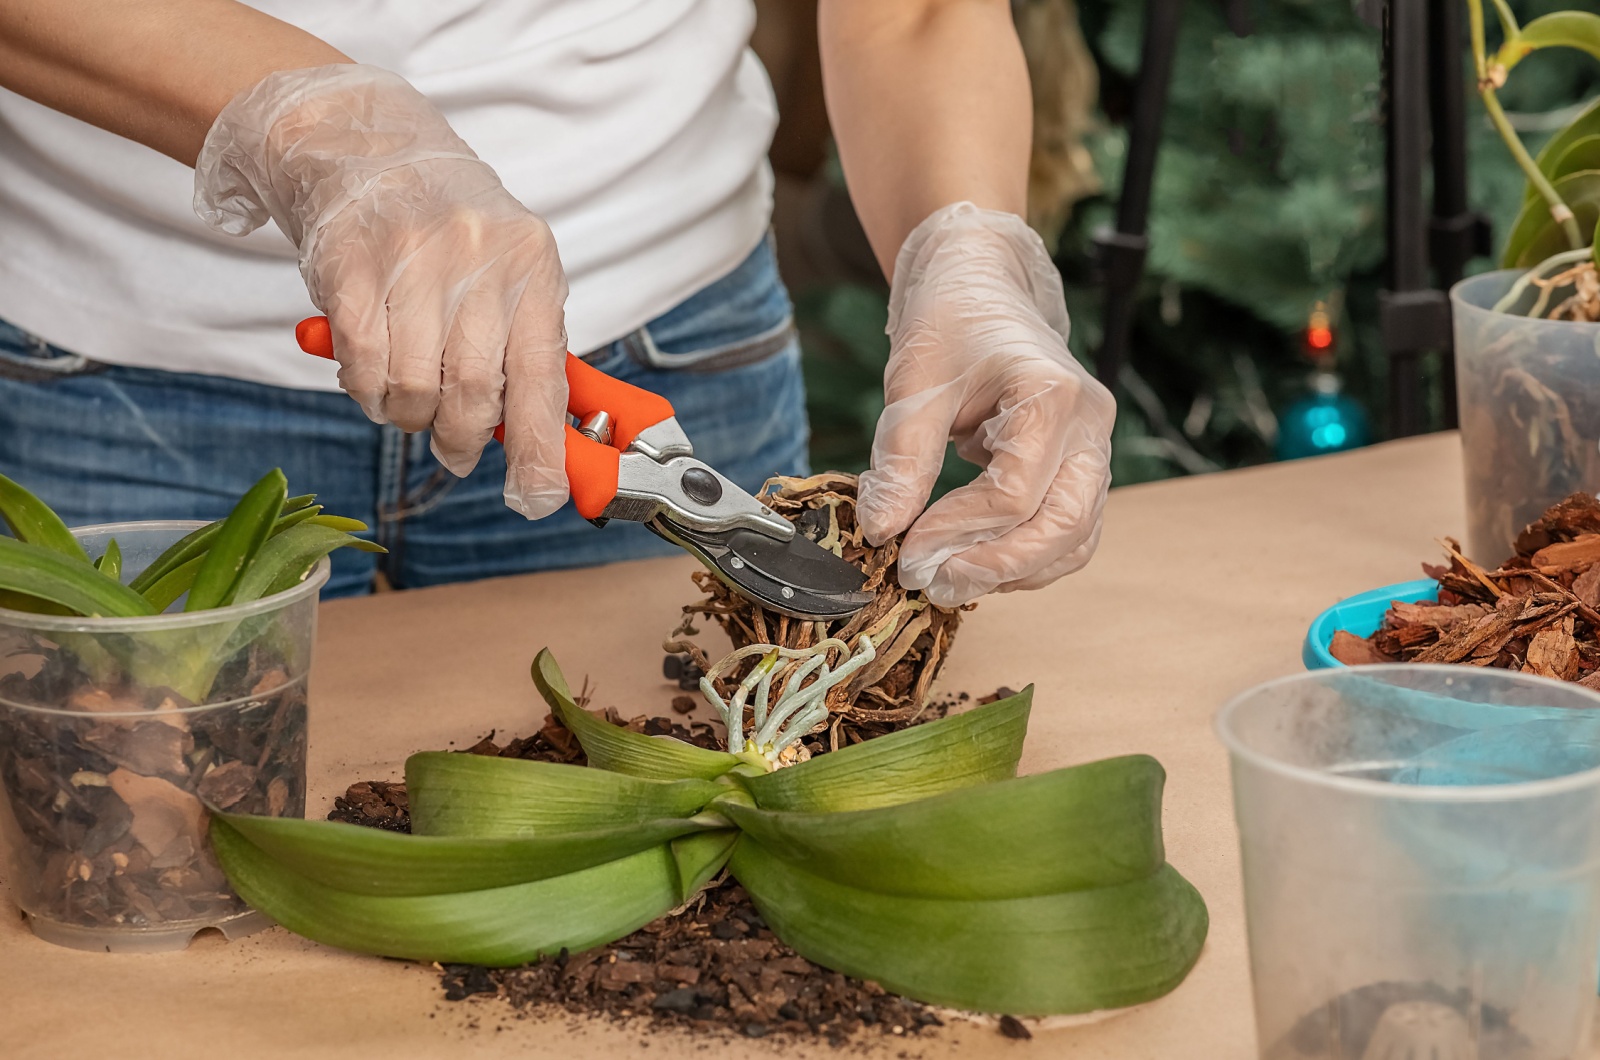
{"points": [[103, 443]]}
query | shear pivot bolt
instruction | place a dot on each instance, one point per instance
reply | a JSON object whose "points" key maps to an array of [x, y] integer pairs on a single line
{"points": [[701, 485], [788, 593]]}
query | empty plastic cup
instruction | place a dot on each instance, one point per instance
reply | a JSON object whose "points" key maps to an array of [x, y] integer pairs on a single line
{"points": [[1421, 851]]}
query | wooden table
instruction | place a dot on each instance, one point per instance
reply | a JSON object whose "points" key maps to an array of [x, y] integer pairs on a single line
{"points": [[1202, 587]]}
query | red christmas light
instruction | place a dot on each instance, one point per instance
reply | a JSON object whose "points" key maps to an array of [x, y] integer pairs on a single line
{"points": [[1319, 330]]}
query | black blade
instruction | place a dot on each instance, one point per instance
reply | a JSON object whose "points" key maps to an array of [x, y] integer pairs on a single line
{"points": [[797, 577]]}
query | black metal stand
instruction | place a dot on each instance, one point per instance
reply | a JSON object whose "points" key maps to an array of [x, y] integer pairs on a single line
{"points": [[1122, 251], [1424, 96]]}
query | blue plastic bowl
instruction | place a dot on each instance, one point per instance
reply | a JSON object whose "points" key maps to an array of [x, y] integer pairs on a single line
{"points": [[1361, 615]]}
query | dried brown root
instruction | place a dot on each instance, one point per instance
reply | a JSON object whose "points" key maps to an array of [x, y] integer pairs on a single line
{"points": [[910, 635], [1584, 302]]}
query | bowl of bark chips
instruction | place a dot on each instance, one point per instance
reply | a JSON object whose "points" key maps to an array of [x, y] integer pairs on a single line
{"points": [[1536, 612], [116, 734]]}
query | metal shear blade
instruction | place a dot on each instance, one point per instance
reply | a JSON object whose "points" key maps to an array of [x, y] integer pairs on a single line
{"points": [[797, 577], [755, 551]]}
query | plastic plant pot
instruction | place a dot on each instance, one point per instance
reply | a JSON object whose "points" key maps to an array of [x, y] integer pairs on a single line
{"points": [[115, 733], [1529, 395], [1421, 854]]}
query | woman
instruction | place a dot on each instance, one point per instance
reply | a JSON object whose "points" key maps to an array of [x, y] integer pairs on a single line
{"points": [[470, 188]]}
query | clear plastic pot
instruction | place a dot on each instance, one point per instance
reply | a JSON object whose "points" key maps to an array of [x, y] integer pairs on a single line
{"points": [[1529, 394], [1421, 853], [115, 733]]}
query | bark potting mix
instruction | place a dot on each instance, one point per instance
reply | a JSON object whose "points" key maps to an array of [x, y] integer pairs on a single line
{"points": [[106, 784], [1538, 612]]}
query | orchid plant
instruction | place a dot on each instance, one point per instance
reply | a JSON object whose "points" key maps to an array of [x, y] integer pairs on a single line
{"points": [[1554, 234], [918, 859]]}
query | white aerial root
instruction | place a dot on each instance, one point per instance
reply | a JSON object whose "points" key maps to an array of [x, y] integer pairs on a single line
{"points": [[801, 707], [1536, 276]]}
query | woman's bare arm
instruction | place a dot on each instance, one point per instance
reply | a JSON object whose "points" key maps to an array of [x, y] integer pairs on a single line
{"points": [[155, 71], [930, 105]]}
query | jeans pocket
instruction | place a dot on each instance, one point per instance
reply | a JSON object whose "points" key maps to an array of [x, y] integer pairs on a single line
{"points": [[26, 358], [717, 358]]}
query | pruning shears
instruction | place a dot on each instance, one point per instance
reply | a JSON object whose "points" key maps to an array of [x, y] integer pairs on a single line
{"points": [[627, 458]]}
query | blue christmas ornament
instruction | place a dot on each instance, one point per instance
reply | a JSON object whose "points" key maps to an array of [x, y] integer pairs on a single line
{"points": [[1324, 421]]}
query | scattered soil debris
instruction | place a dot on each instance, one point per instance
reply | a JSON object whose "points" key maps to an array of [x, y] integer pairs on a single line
{"points": [[1012, 1027], [713, 967]]}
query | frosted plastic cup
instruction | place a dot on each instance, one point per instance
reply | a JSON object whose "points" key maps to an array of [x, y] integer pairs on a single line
{"points": [[116, 733], [1529, 395], [1421, 853]]}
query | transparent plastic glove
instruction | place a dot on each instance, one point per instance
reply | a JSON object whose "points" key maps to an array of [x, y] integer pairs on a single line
{"points": [[978, 354], [444, 293]]}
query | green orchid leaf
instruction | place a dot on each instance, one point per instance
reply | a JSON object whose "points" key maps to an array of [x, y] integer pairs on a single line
{"points": [[349, 526], [1072, 829], [499, 927], [371, 861], [243, 533], [284, 560], [50, 575], [166, 590], [296, 510], [1585, 125], [1073, 952], [33, 521], [1581, 154], [109, 562], [1559, 29], [610, 747], [1536, 236], [33, 605], [699, 857], [475, 795], [191, 546], [961, 751]]}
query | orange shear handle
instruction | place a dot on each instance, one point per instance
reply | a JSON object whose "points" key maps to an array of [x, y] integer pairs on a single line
{"points": [[591, 466]]}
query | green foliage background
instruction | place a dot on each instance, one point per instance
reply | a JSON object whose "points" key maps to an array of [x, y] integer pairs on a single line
{"points": [[1269, 196]]}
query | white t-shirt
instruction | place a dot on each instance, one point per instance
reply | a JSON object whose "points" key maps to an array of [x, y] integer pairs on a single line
{"points": [[637, 129]]}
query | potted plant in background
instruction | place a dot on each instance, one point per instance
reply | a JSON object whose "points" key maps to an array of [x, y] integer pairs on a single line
{"points": [[1526, 339], [168, 669]]}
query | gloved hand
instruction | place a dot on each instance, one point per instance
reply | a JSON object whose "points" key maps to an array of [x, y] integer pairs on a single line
{"points": [[443, 292], [978, 354]]}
